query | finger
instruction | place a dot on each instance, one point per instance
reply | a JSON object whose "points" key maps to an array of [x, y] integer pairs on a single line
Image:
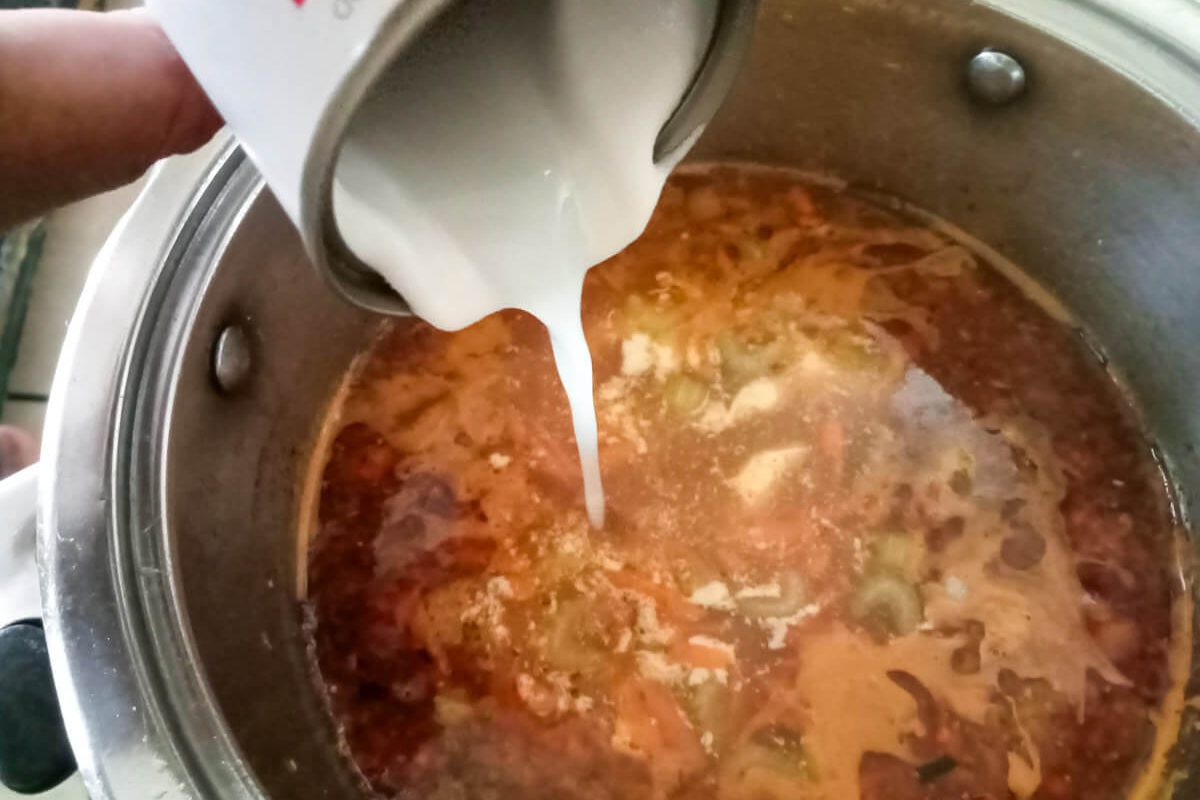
{"points": [[88, 102]]}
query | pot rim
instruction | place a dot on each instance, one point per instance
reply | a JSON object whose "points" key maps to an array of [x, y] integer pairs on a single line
{"points": [[121, 743]]}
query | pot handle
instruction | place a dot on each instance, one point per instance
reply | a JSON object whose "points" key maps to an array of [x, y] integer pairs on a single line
{"points": [[19, 596], [35, 755]]}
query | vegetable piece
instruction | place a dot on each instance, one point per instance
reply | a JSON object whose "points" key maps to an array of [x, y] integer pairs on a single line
{"points": [[699, 654], [673, 608], [938, 768], [563, 565], [708, 708], [684, 394], [436, 619], [854, 351], [574, 641], [784, 744], [742, 362], [890, 552], [697, 570], [452, 709], [771, 765], [650, 724], [650, 317], [792, 596], [887, 605]]}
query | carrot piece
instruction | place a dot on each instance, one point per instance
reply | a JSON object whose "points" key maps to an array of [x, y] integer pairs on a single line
{"points": [[650, 723], [673, 607]]}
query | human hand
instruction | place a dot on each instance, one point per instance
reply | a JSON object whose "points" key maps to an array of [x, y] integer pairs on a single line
{"points": [[88, 102]]}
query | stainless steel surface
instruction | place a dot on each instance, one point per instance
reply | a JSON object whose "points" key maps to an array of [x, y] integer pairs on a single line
{"points": [[232, 358], [141, 659], [168, 510], [995, 77], [215, 581], [121, 743]]}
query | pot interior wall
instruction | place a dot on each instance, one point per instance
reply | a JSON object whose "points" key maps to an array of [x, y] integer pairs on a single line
{"points": [[1088, 182]]}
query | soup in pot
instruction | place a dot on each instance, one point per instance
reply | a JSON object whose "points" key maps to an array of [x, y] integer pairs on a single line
{"points": [[879, 526]]}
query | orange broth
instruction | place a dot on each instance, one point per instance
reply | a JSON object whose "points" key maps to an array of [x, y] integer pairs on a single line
{"points": [[878, 527]]}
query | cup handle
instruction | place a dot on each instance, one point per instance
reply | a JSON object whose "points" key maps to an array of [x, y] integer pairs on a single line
{"points": [[35, 755]]}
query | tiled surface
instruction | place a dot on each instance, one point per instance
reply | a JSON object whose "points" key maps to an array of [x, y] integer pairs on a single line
{"points": [[74, 235]]}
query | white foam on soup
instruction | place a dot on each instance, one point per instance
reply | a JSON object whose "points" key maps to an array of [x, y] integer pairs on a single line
{"points": [[511, 149]]}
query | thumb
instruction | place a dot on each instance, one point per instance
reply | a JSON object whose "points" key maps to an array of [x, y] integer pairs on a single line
{"points": [[88, 102]]}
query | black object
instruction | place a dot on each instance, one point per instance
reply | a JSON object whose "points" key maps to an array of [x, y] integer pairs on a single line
{"points": [[938, 768], [5, 4], [34, 753]]}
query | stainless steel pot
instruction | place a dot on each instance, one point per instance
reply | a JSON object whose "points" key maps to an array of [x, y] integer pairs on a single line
{"points": [[205, 351]]}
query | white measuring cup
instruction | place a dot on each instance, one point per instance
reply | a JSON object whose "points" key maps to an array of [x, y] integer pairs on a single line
{"points": [[289, 75]]}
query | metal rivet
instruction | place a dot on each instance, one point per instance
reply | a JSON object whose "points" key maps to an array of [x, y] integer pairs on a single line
{"points": [[995, 77], [231, 359]]}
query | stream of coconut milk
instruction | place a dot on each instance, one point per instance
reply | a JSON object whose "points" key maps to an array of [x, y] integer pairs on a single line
{"points": [[510, 150]]}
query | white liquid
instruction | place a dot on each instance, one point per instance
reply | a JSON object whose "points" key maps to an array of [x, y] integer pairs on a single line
{"points": [[510, 150]]}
